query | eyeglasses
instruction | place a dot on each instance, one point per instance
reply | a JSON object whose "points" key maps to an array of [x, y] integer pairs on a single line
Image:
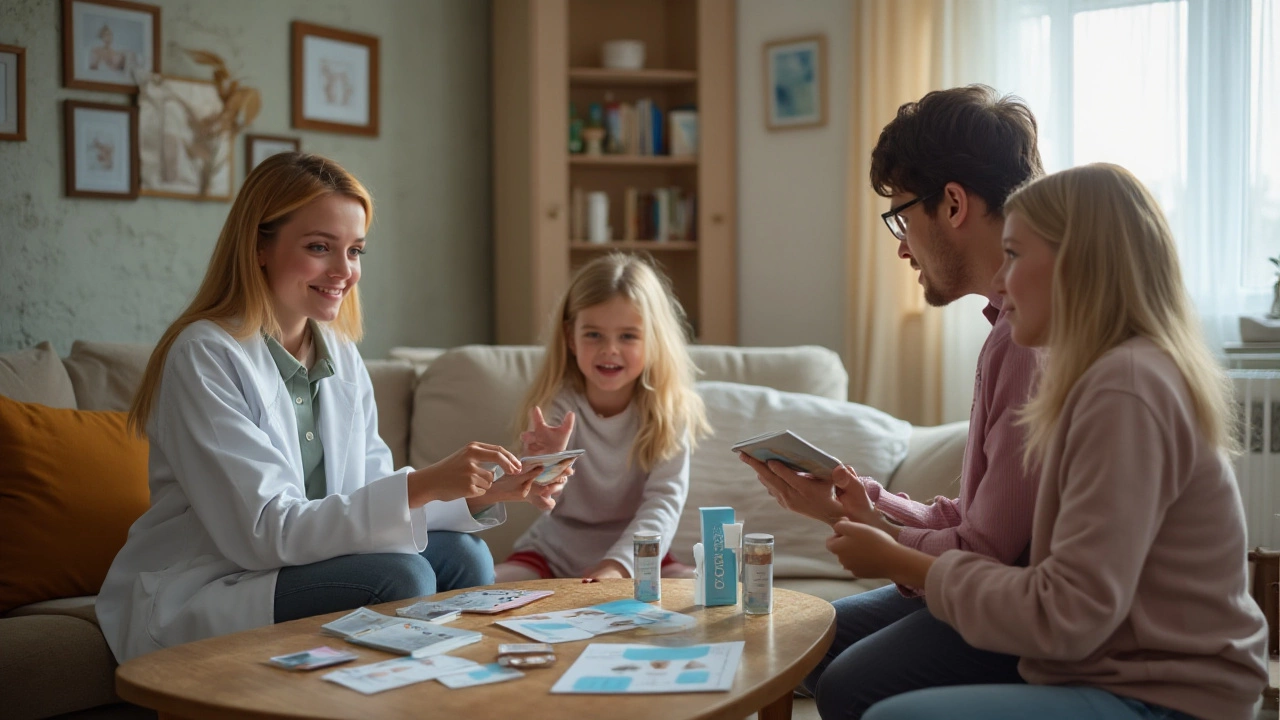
{"points": [[897, 225]]}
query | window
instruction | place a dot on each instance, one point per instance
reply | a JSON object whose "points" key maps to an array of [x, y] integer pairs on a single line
{"points": [[1184, 93]]}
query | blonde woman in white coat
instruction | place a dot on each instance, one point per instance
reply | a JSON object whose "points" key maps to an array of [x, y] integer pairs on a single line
{"points": [[272, 495]]}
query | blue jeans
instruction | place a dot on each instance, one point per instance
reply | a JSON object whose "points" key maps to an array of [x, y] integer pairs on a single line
{"points": [[886, 645], [452, 560], [1018, 702]]}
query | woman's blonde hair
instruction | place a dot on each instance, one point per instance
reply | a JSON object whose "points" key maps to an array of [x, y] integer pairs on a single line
{"points": [[234, 293], [669, 406], [1116, 276]]}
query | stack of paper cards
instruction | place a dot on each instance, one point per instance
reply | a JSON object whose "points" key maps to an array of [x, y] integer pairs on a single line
{"points": [[588, 622], [357, 621], [416, 638], [483, 675], [615, 669], [390, 674], [487, 602]]}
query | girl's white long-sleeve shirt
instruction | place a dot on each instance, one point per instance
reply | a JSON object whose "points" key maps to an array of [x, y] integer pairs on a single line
{"points": [[607, 499]]}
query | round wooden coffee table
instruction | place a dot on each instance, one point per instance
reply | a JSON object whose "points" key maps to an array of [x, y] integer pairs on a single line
{"points": [[226, 677]]}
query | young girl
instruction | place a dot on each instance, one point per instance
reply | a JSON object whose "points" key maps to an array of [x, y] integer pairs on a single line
{"points": [[1134, 603], [272, 495], [618, 382]]}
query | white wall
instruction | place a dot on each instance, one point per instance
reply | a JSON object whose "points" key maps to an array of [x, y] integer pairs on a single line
{"points": [[73, 268], [791, 187]]}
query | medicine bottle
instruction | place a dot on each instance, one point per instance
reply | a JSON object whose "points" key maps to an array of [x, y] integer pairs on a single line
{"points": [[647, 566], [757, 574]]}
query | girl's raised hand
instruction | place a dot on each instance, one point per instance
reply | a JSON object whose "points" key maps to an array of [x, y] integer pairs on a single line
{"points": [[541, 438], [467, 473]]}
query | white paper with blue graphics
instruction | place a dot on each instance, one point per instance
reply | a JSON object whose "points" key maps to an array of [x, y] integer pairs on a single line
{"points": [[389, 674], [604, 669], [483, 675], [586, 623]]}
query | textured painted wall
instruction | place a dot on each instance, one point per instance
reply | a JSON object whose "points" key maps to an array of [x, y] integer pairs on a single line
{"points": [[122, 270]]}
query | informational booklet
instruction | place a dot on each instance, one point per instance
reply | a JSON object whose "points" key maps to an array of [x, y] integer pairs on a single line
{"points": [[791, 449], [588, 622], [389, 674], [607, 669], [357, 621], [312, 659], [487, 602], [483, 675], [416, 638], [425, 612]]}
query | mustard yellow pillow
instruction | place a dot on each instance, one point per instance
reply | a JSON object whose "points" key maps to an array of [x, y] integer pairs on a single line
{"points": [[71, 484]]}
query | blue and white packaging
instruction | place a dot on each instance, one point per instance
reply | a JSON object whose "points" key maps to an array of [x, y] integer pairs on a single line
{"points": [[721, 540]]}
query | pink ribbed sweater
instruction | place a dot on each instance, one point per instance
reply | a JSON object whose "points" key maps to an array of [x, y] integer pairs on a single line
{"points": [[1137, 575]]}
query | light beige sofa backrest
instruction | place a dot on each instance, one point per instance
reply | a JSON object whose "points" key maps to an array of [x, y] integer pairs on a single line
{"points": [[472, 393]]}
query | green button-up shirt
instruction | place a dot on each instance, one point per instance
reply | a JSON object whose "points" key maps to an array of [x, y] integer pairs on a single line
{"points": [[304, 391]]}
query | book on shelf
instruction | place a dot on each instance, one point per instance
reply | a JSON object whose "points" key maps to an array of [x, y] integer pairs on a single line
{"points": [[631, 201], [684, 132]]}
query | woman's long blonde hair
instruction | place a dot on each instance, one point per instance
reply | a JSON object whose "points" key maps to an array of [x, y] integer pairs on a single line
{"points": [[669, 406], [234, 293], [1116, 276]]}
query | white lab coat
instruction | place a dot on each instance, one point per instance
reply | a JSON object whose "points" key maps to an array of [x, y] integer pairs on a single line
{"points": [[228, 500]]}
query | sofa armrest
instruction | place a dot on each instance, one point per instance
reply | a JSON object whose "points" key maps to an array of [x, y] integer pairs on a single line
{"points": [[393, 384]]}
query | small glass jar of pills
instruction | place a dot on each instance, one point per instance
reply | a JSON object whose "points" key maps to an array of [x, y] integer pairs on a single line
{"points": [[647, 566], [757, 574]]}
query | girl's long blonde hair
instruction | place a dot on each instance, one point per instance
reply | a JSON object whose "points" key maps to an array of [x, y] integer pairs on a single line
{"points": [[1116, 276], [669, 406], [234, 293]]}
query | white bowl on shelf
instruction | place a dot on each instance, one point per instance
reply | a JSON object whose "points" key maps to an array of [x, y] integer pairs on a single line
{"points": [[623, 55]]}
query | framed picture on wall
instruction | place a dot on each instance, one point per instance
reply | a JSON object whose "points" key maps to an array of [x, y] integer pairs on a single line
{"points": [[102, 150], [107, 43], [185, 151], [260, 147], [795, 77], [335, 80], [13, 93]]}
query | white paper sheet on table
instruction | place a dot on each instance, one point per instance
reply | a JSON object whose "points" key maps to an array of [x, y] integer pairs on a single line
{"points": [[626, 669]]}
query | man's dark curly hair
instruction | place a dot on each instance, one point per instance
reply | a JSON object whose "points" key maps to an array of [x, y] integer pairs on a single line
{"points": [[968, 135]]}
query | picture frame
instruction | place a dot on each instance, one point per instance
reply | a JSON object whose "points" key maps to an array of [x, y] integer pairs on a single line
{"points": [[13, 93], [334, 80], [184, 151], [106, 44], [795, 77], [101, 150], [260, 147]]}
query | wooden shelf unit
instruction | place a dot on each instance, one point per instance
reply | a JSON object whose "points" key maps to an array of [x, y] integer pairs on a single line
{"points": [[546, 56]]}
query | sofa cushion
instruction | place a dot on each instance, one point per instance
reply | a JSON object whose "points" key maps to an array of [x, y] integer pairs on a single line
{"points": [[871, 441], [934, 459], [419, 357], [53, 664], [106, 375], [805, 369], [36, 375], [71, 484], [393, 384]]}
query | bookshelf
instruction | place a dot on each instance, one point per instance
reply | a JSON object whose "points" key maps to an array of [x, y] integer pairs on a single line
{"points": [[546, 55]]}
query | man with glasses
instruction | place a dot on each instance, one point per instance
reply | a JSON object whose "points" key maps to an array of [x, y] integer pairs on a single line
{"points": [[946, 163]]}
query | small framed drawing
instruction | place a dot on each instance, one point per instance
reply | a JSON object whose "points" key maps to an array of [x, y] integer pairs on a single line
{"points": [[795, 76], [106, 43], [184, 145], [13, 93], [335, 80], [260, 147], [102, 150]]}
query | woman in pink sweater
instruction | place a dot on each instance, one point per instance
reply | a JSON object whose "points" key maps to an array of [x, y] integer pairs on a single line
{"points": [[1134, 603]]}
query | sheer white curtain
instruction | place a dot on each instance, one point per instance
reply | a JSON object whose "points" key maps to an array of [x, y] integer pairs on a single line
{"points": [[1186, 94]]}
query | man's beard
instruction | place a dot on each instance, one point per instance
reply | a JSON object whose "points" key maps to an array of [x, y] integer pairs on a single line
{"points": [[943, 286]]}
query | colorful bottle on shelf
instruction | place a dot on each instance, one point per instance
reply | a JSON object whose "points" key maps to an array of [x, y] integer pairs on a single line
{"points": [[575, 130]]}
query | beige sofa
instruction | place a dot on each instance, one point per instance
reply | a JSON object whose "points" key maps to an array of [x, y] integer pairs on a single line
{"points": [[54, 660]]}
